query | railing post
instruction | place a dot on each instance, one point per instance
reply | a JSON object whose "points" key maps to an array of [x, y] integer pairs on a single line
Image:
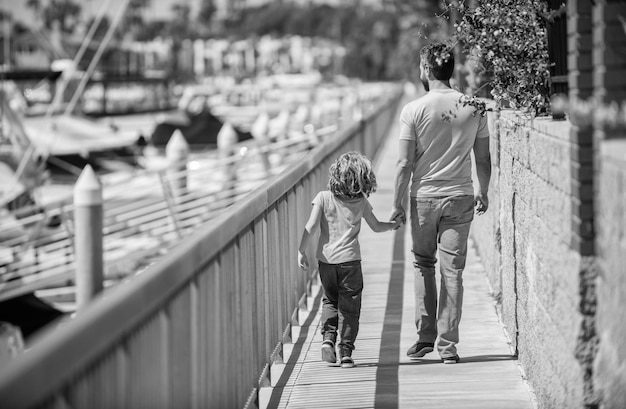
{"points": [[279, 126], [88, 237], [313, 139], [346, 110], [315, 116], [177, 152], [364, 131]]}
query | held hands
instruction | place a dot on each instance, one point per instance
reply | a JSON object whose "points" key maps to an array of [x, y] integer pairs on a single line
{"points": [[398, 215], [395, 224], [481, 203], [303, 261]]}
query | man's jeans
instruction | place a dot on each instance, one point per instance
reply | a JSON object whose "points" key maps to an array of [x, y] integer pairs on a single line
{"points": [[443, 222], [343, 285]]}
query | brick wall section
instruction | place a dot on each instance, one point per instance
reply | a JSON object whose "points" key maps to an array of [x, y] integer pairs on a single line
{"points": [[609, 42], [609, 371], [583, 67], [579, 46], [610, 365], [529, 231]]}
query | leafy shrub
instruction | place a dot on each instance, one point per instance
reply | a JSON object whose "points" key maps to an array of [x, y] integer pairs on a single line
{"points": [[509, 37]]}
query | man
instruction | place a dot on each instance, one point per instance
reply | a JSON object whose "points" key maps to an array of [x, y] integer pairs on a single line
{"points": [[438, 131]]}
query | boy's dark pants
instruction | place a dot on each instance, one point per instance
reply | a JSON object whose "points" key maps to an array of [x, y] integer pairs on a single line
{"points": [[343, 285]]}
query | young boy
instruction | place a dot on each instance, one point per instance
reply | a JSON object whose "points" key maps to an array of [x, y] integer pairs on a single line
{"points": [[337, 212]]}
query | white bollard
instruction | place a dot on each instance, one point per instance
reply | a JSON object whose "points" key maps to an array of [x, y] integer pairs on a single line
{"points": [[88, 237], [279, 131], [347, 110], [177, 153], [300, 118], [226, 140], [279, 126], [259, 131], [11, 342]]}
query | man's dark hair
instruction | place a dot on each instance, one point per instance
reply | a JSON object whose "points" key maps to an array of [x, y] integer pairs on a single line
{"points": [[439, 58]]}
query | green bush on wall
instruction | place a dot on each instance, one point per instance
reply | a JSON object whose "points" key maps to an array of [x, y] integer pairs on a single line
{"points": [[509, 38]]}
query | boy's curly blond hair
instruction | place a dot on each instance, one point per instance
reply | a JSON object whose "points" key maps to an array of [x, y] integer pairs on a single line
{"points": [[351, 176]]}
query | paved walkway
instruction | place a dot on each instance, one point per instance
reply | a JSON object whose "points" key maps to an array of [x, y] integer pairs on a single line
{"points": [[488, 375]]}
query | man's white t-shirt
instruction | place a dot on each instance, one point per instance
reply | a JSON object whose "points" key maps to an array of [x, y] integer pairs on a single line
{"points": [[444, 131]]}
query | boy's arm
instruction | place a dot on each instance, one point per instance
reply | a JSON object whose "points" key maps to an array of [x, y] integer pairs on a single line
{"points": [[309, 229], [378, 226]]}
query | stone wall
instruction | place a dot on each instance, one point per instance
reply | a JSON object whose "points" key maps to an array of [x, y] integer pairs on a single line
{"points": [[525, 241], [554, 239]]}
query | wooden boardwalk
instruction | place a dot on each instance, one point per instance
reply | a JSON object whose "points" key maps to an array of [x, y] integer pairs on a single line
{"points": [[488, 375]]}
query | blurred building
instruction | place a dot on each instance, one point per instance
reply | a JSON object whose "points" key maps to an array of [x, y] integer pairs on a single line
{"points": [[227, 7], [162, 9]]}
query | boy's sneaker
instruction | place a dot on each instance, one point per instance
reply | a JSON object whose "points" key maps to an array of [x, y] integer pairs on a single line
{"points": [[450, 359], [328, 351], [346, 358], [419, 349]]}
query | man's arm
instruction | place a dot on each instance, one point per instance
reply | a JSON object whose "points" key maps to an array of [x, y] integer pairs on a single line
{"points": [[404, 170], [483, 171]]}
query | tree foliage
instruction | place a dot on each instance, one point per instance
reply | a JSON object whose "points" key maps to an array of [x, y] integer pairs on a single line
{"points": [[64, 12], [133, 19], [152, 29], [418, 25], [207, 10]]}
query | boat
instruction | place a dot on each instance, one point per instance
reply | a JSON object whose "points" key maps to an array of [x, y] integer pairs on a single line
{"points": [[53, 140], [196, 120]]}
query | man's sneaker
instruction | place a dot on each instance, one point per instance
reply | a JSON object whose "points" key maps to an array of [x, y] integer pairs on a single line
{"points": [[450, 359], [328, 352], [346, 357], [419, 349]]}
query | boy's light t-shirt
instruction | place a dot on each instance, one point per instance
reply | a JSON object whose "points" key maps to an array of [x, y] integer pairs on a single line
{"points": [[444, 131], [340, 225]]}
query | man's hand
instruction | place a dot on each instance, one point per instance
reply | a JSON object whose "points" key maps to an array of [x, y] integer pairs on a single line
{"points": [[303, 261], [398, 215], [481, 203]]}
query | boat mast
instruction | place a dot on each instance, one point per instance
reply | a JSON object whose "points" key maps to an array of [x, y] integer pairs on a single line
{"points": [[79, 56], [96, 58]]}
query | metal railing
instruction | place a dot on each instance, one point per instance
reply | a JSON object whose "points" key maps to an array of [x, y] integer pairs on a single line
{"points": [[198, 328]]}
